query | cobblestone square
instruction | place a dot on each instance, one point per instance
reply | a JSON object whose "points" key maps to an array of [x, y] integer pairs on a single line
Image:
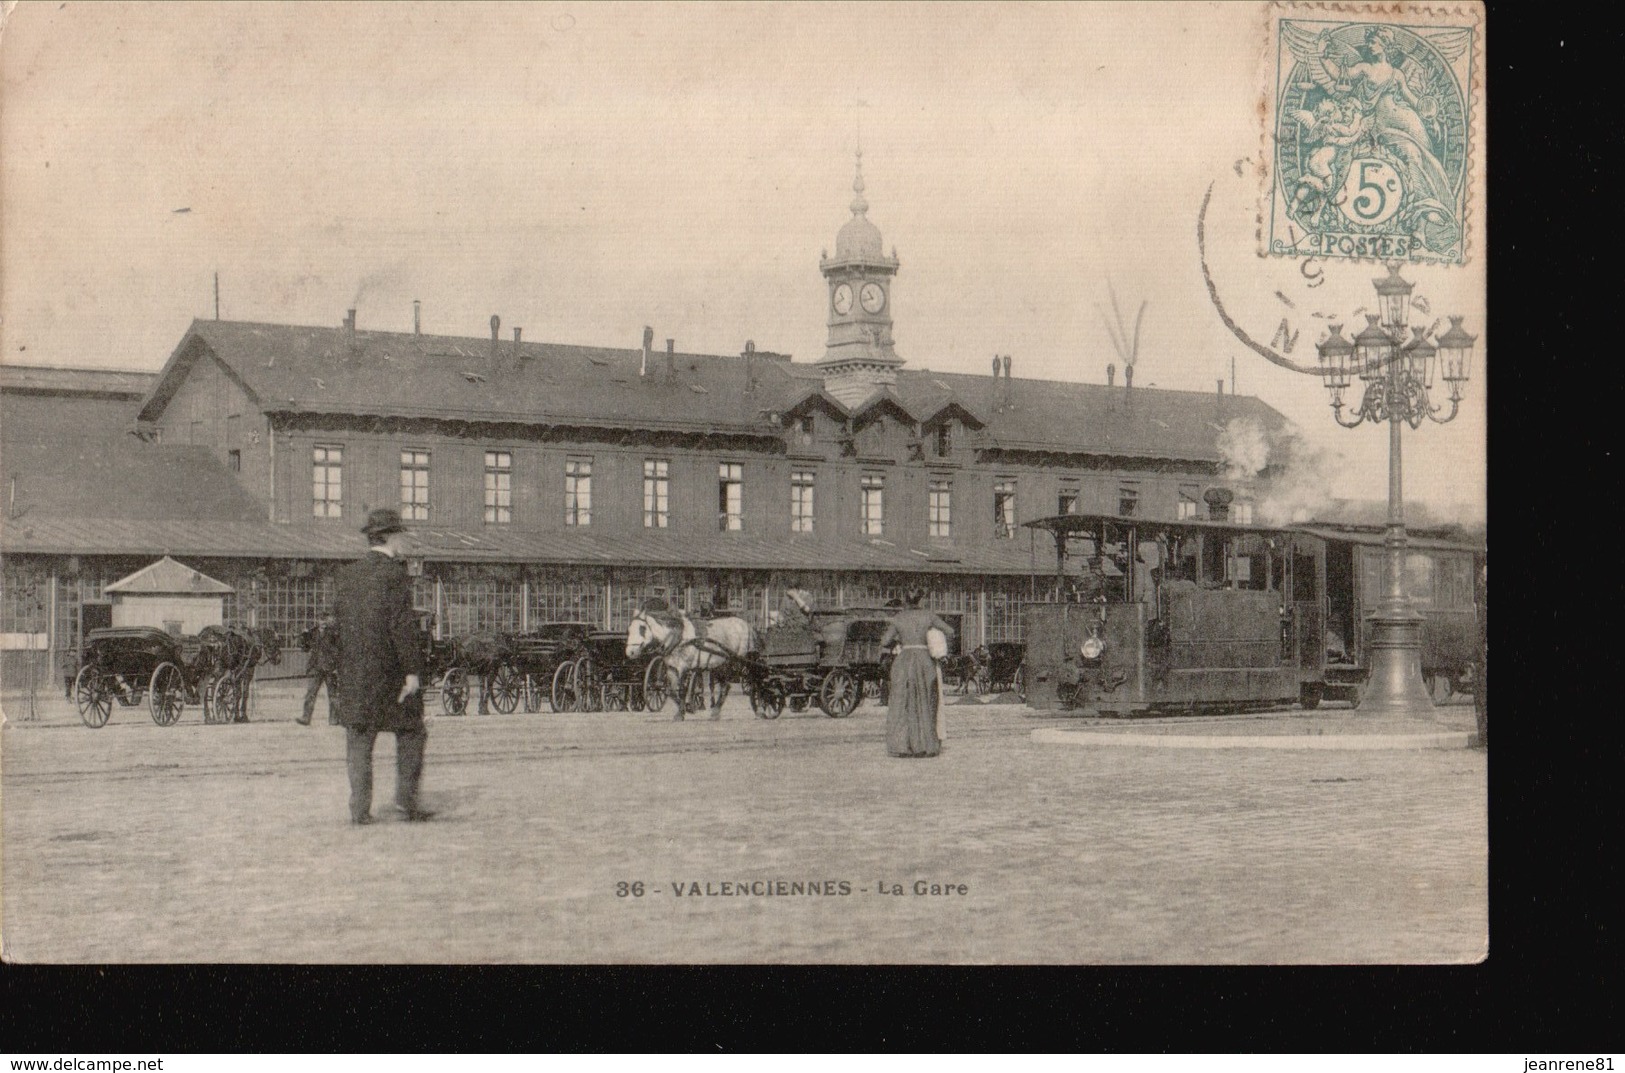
{"points": [[231, 843]]}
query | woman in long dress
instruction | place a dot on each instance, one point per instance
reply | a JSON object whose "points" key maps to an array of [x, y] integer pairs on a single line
{"points": [[911, 709]]}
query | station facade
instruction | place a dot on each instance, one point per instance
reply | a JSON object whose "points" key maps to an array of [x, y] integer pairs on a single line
{"points": [[544, 482]]}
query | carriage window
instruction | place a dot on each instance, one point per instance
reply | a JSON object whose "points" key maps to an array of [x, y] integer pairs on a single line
{"points": [[730, 496], [1188, 498], [1004, 509], [940, 506], [873, 487], [1242, 512], [1419, 579], [327, 468], [656, 493], [498, 487], [801, 501], [1067, 503], [414, 485], [234, 459], [577, 491], [1128, 501]]}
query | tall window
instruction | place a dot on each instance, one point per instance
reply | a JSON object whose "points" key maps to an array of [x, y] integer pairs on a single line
{"points": [[730, 496], [577, 490], [1128, 501], [801, 501], [1004, 509], [873, 489], [414, 485], [656, 493], [1067, 502], [1188, 499], [498, 487], [327, 469], [940, 506]]}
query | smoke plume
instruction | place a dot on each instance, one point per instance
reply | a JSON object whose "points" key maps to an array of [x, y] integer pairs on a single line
{"points": [[1294, 485]]}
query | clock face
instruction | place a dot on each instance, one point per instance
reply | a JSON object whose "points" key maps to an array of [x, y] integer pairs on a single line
{"points": [[842, 299], [872, 297]]}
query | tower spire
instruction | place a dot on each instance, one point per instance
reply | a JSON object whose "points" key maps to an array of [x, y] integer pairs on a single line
{"points": [[859, 205]]}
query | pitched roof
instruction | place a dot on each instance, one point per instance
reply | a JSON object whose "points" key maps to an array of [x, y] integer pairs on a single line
{"points": [[166, 576], [69, 476], [326, 370], [51, 379]]}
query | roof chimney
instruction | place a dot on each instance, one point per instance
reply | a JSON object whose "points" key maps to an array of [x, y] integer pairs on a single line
{"points": [[1008, 401], [648, 341], [417, 317], [995, 392], [671, 361], [1111, 374], [1128, 375], [750, 365], [496, 329], [349, 328], [517, 352], [1220, 383]]}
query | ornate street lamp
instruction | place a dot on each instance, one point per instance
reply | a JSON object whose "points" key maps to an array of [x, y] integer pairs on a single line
{"points": [[1398, 377]]}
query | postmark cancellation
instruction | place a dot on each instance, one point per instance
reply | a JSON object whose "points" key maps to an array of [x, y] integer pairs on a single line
{"points": [[1372, 131]]}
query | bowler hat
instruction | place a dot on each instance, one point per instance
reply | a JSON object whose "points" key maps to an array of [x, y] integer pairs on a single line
{"points": [[382, 521]]}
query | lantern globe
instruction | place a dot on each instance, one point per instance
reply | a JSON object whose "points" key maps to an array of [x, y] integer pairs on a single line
{"points": [[1394, 294], [1372, 347], [1421, 357]]}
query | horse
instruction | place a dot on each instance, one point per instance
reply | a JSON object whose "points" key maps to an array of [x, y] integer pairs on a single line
{"points": [[685, 650], [234, 651]]}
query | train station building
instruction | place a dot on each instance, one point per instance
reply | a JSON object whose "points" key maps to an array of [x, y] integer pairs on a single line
{"points": [[544, 482]]}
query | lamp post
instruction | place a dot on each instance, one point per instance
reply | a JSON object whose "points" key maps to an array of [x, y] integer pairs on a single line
{"points": [[1398, 378]]}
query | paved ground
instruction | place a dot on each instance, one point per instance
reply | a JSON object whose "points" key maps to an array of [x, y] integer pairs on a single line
{"points": [[230, 843]]}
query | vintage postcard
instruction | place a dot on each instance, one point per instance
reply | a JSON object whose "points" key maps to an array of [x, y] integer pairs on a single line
{"points": [[859, 483]]}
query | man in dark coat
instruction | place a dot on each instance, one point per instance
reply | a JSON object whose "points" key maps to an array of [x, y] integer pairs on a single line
{"points": [[380, 667], [321, 641]]}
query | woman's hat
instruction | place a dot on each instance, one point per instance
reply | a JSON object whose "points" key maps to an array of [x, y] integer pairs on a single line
{"points": [[382, 521]]}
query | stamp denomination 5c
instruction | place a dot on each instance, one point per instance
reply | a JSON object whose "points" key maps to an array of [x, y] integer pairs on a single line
{"points": [[1372, 131]]}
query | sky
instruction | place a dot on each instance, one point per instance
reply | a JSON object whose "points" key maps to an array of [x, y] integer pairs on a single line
{"points": [[583, 170]]}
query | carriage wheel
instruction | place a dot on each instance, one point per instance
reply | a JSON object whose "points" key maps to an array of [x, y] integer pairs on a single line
{"points": [[506, 687], [563, 697], [765, 703], [589, 689], [454, 691], [654, 686], [95, 700], [533, 693], [691, 693], [166, 694], [872, 690], [838, 694], [224, 697]]}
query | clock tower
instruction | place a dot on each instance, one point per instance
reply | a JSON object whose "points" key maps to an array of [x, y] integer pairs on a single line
{"points": [[858, 358]]}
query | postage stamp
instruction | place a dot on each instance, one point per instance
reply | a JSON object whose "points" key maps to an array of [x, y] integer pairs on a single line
{"points": [[1371, 132]]}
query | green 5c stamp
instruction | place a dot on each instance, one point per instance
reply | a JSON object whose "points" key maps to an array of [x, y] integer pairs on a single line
{"points": [[1372, 134]]}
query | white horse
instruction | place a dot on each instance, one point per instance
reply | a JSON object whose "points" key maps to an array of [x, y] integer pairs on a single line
{"points": [[686, 651]]}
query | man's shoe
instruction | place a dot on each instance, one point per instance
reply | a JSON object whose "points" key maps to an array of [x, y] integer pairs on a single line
{"points": [[361, 821], [415, 815], [303, 720]]}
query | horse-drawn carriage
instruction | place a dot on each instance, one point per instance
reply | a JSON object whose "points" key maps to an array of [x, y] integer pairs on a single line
{"points": [[445, 670], [603, 678], [834, 662], [132, 664], [990, 668], [523, 666]]}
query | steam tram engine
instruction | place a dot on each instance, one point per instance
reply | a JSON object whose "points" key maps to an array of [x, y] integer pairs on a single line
{"points": [[1186, 616]]}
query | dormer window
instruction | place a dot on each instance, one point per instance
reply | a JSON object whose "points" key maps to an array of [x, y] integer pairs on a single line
{"points": [[945, 439], [804, 430]]}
